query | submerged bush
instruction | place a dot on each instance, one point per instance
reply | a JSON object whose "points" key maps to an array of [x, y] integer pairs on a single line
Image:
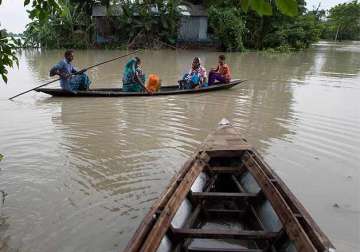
{"points": [[147, 24], [227, 27], [299, 33]]}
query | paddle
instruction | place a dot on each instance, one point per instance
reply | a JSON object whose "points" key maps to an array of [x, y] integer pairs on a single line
{"points": [[81, 71]]}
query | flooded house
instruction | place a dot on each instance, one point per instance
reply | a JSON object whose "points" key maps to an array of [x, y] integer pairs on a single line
{"points": [[193, 25]]}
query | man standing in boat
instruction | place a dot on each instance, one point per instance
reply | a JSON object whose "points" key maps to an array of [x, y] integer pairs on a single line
{"points": [[70, 79]]}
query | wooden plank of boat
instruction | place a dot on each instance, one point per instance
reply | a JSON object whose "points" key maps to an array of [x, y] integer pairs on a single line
{"points": [[226, 198], [117, 92]]}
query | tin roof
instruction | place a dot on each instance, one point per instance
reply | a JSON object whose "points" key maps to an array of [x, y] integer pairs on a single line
{"points": [[194, 10]]}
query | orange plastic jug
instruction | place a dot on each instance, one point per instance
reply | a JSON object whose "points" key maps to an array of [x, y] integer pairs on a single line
{"points": [[153, 84]]}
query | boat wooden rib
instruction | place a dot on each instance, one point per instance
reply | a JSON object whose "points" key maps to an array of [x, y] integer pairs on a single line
{"points": [[117, 92], [226, 198]]}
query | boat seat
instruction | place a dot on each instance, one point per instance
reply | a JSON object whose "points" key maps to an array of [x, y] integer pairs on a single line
{"points": [[199, 249], [221, 195], [223, 234]]}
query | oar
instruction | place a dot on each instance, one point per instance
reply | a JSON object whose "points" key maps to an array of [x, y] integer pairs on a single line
{"points": [[84, 70]]}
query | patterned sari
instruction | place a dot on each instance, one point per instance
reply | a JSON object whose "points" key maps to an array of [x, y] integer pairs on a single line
{"points": [[195, 77]]}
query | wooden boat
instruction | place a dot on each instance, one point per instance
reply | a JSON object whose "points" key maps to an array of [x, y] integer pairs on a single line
{"points": [[226, 198], [116, 92]]}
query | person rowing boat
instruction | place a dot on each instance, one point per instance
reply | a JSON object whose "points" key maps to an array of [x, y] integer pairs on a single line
{"points": [[70, 79]]}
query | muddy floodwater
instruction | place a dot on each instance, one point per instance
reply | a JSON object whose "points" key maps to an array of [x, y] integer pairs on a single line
{"points": [[79, 174]]}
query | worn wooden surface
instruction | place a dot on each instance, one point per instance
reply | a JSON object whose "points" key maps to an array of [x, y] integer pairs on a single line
{"points": [[316, 235], [223, 234], [117, 92], [291, 224], [145, 227], [221, 195], [226, 143], [199, 249], [159, 229]]}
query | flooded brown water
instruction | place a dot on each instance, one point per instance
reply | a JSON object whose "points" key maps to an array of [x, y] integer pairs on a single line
{"points": [[81, 173]]}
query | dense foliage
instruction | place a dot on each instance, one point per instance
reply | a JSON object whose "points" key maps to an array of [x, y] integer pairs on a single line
{"points": [[148, 23], [297, 33], [235, 24], [64, 23], [70, 26], [41, 9], [227, 26], [261, 7], [7, 54], [252, 30], [343, 22]]}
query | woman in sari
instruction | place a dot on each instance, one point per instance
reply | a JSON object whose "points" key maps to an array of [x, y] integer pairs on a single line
{"points": [[196, 76], [221, 74], [134, 78]]}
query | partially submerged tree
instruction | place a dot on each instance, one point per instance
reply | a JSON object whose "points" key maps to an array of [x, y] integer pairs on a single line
{"points": [[147, 23], [228, 27], [41, 9], [68, 27], [344, 21]]}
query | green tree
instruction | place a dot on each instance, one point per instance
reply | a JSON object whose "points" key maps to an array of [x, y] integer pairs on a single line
{"points": [[261, 7], [69, 27], [41, 9], [148, 23], [228, 27], [297, 33], [281, 31], [344, 21], [7, 53]]}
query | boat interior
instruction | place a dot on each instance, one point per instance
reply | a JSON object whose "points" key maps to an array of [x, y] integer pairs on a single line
{"points": [[225, 210], [227, 198], [231, 202]]}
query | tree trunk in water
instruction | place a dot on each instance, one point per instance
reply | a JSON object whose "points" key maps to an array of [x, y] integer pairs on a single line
{"points": [[337, 33]]}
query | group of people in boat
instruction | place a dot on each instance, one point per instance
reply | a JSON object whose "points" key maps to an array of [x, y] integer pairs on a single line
{"points": [[134, 78], [197, 77]]}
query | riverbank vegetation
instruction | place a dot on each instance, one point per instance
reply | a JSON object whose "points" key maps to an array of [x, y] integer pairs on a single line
{"points": [[342, 22], [278, 25], [259, 32], [69, 27], [233, 25]]}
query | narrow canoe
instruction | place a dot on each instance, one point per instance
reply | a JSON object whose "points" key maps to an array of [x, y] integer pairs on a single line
{"points": [[115, 92], [226, 198]]}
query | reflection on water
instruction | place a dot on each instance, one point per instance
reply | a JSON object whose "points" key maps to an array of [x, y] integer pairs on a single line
{"points": [[81, 173]]}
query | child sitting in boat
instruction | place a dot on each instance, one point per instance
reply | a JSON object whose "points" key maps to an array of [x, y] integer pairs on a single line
{"points": [[221, 73], [196, 76]]}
